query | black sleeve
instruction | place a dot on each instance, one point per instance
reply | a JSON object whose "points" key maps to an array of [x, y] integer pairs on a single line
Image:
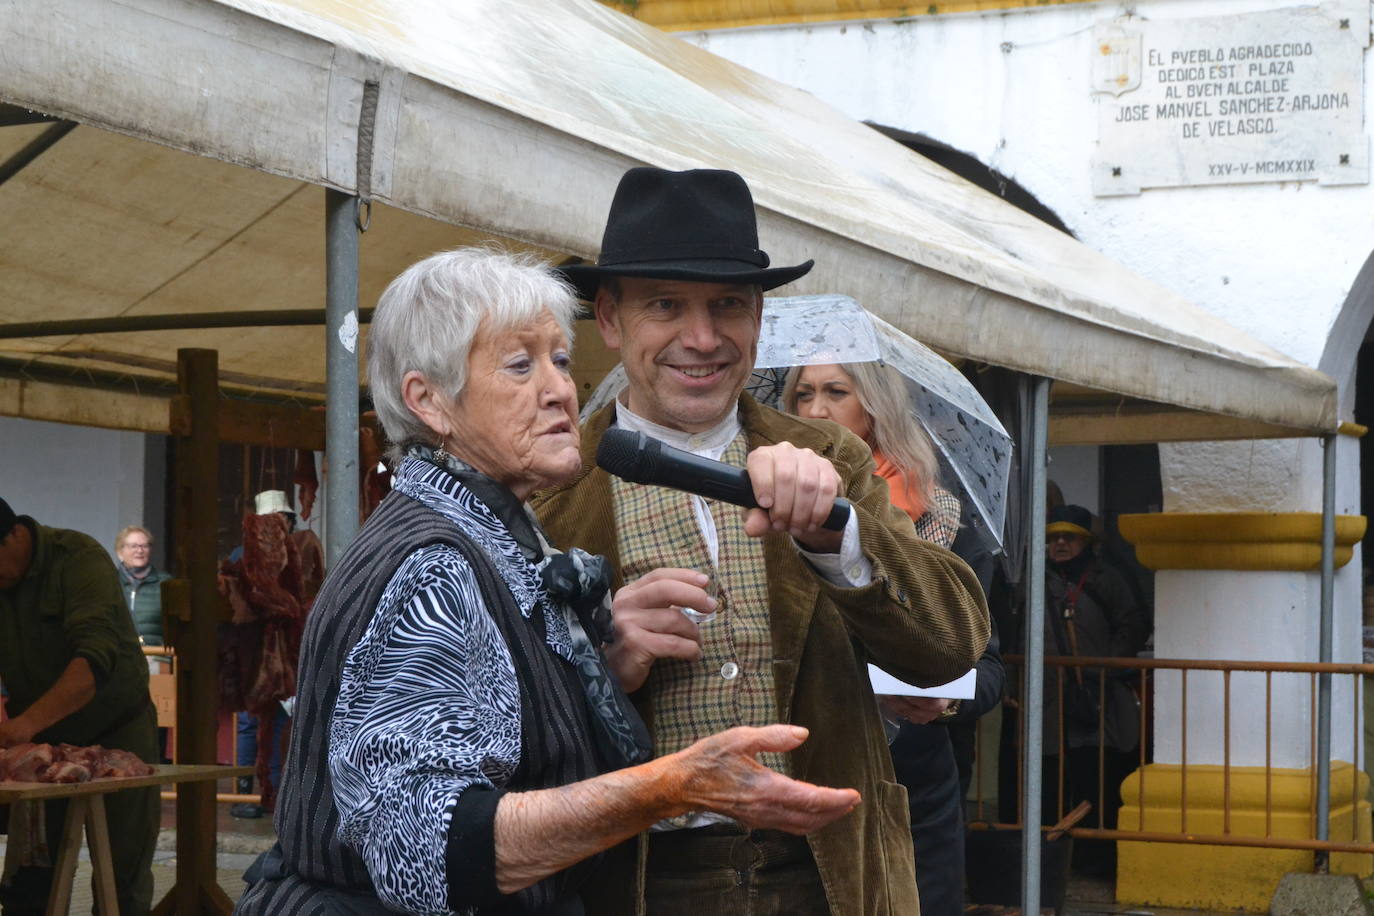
{"points": [[991, 682], [971, 547], [470, 857]]}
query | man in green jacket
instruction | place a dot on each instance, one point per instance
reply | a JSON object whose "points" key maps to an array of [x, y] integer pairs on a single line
{"points": [[71, 665], [798, 609]]}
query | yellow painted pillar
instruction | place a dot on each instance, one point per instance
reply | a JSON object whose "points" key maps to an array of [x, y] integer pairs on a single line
{"points": [[1231, 877], [1274, 802]]}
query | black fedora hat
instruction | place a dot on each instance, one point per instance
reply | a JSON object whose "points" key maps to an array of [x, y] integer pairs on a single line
{"points": [[694, 225]]}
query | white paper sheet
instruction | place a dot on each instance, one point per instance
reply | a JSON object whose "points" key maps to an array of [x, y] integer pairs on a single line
{"points": [[959, 689]]}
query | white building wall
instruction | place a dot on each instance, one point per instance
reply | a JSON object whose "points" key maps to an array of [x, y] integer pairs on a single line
{"points": [[1077, 470], [1012, 89], [90, 480]]}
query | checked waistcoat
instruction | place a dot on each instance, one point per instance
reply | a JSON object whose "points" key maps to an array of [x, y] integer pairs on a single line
{"points": [[733, 684]]}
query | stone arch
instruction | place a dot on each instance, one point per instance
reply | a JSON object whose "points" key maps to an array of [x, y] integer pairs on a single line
{"points": [[1348, 357], [1340, 356], [972, 169]]}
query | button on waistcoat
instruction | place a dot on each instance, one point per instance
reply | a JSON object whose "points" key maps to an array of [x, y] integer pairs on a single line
{"points": [[733, 684]]}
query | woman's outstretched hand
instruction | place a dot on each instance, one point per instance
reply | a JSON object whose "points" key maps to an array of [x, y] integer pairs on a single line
{"points": [[722, 774], [541, 832]]}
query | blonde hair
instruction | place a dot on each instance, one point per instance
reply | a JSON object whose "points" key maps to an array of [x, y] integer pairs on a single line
{"points": [[128, 530], [893, 427]]}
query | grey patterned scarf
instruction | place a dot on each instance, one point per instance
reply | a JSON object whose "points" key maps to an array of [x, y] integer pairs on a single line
{"points": [[579, 584]]}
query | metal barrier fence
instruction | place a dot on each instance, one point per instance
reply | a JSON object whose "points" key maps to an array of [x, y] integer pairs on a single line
{"points": [[1139, 673]]}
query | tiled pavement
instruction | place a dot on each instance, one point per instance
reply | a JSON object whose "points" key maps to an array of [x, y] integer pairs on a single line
{"points": [[240, 841]]}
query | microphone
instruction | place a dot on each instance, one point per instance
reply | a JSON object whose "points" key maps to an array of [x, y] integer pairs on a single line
{"points": [[639, 458]]}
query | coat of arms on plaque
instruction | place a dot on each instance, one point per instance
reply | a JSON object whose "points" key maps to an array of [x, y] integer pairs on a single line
{"points": [[1116, 58]]}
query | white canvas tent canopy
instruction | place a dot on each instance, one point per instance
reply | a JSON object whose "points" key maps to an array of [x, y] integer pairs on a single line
{"points": [[513, 119]]}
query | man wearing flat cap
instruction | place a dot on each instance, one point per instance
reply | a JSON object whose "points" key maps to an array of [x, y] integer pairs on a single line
{"points": [[71, 663], [1091, 611], [799, 610]]}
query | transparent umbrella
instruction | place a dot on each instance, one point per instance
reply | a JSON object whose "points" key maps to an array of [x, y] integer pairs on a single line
{"points": [[973, 447]]}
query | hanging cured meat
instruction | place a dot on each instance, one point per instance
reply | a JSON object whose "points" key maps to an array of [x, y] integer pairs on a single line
{"points": [[374, 483], [305, 478], [269, 590]]}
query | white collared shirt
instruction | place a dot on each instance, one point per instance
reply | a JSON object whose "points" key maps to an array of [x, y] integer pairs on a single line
{"points": [[847, 569]]}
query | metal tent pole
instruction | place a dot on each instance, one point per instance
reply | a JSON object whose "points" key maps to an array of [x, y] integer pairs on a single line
{"points": [[1032, 696], [1322, 859], [341, 372]]}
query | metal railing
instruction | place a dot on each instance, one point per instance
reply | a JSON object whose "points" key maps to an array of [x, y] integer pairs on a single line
{"points": [[1140, 674]]}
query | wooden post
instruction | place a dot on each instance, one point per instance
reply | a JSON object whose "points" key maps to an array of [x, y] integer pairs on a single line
{"points": [[197, 460]]}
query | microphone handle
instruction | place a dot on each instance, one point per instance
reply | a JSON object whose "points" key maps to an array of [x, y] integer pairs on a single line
{"points": [[839, 515], [727, 483]]}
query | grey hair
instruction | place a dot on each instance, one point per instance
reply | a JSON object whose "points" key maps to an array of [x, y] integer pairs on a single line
{"points": [[428, 317], [895, 430]]}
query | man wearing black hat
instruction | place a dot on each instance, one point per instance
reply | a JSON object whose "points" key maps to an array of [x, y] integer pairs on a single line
{"points": [[798, 610], [1091, 611], [71, 663]]}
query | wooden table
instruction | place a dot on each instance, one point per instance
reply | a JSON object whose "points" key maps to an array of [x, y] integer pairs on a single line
{"points": [[87, 810]]}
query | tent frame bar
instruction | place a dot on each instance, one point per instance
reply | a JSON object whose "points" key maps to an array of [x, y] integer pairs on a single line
{"points": [[36, 147], [1324, 651], [123, 324], [1033, 697]]}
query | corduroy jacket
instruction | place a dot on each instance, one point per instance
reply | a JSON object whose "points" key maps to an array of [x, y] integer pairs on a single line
{"points": [[923, 618]]}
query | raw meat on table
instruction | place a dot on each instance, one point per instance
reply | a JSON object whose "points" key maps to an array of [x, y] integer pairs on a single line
{"points": [[68, 763]]}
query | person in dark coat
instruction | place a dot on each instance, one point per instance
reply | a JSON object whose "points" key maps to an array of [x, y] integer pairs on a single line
{"points": [[1090, 611], [923, 756]]}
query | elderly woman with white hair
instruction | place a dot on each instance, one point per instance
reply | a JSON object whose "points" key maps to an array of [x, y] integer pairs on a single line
{"points": [[459, 745]]}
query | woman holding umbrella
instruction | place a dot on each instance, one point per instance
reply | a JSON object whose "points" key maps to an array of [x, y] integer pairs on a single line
{"points": [[870, 399]]}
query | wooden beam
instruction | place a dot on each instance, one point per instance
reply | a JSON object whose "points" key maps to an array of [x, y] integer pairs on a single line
{"points": [[197, 463], [254, 423], [54, 403], [1136, 425]]}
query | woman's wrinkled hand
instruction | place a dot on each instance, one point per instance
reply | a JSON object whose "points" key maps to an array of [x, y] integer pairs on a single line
{"points": [[721, 774]]}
